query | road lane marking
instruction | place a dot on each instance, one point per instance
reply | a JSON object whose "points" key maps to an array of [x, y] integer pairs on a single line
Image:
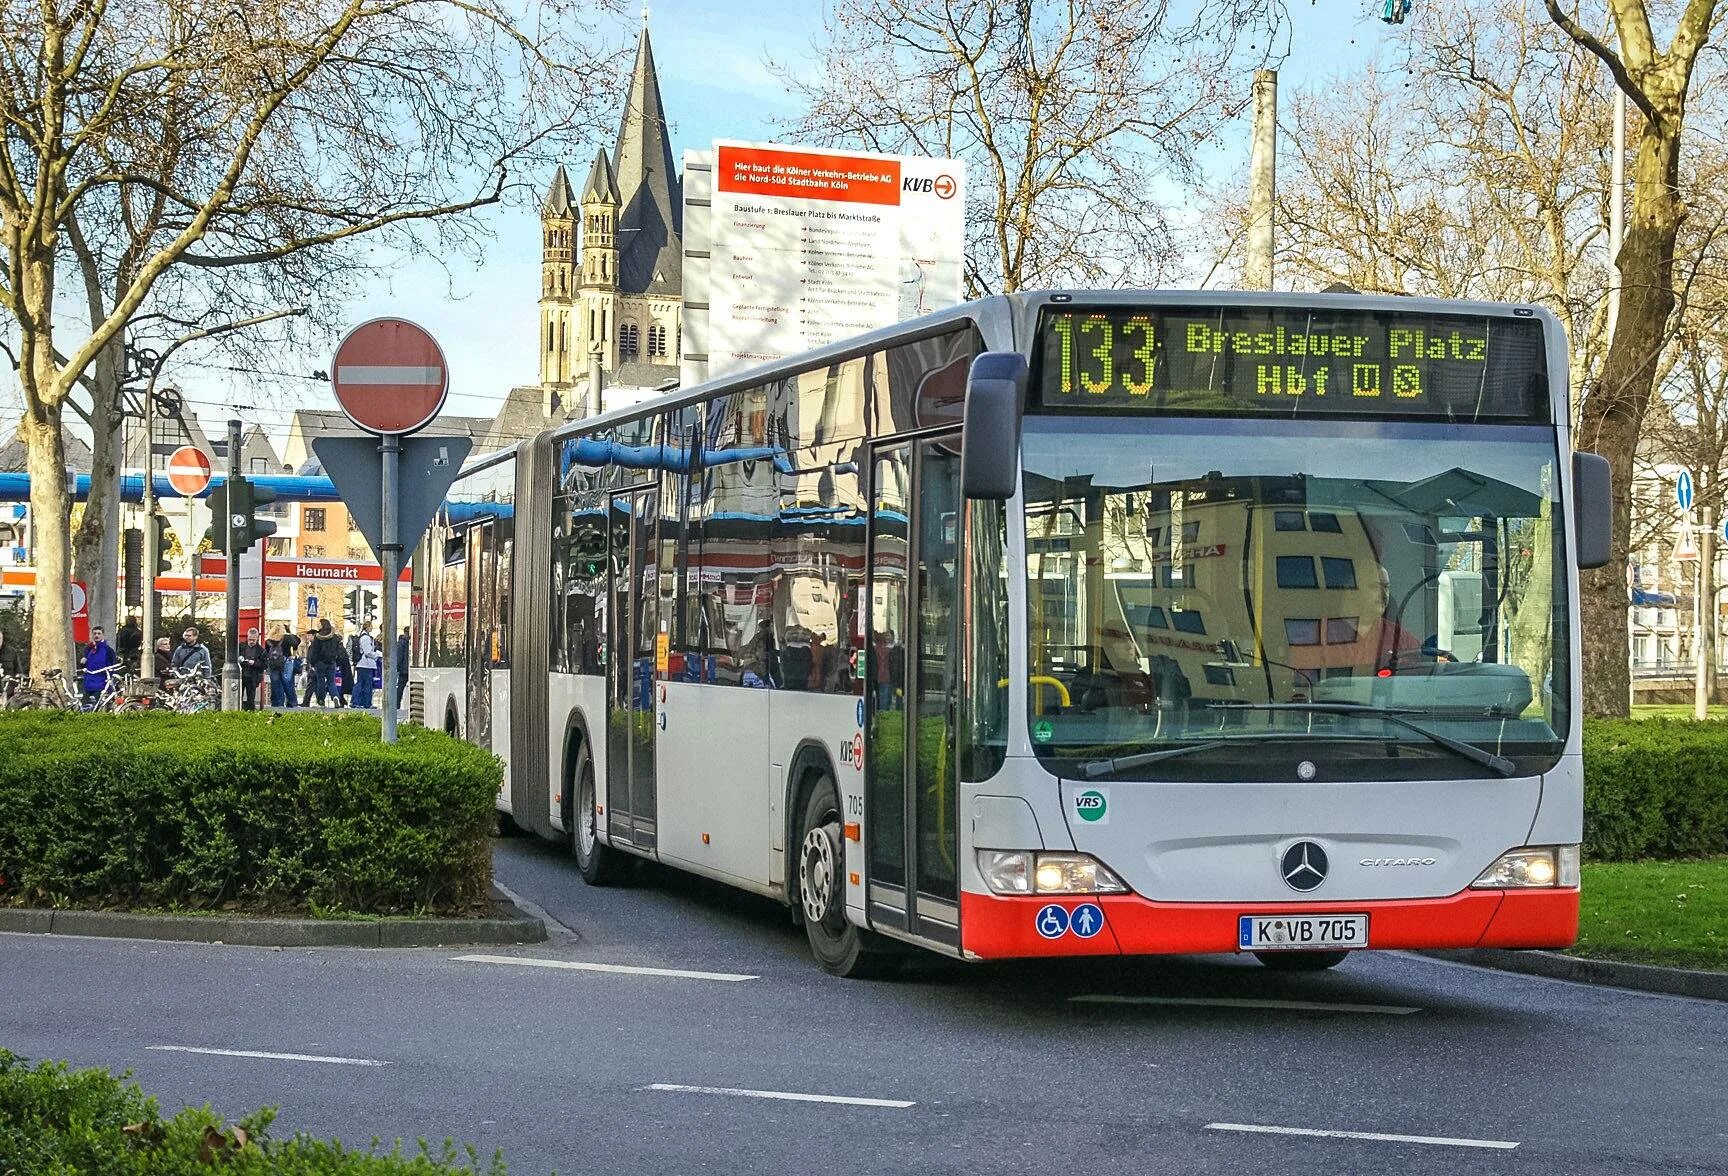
{"points": [[574, 966], [1237, 1002], [782, 1095], [1382, 1137], [277, 1057]]}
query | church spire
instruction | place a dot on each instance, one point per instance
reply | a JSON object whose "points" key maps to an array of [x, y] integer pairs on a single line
{"points": [[650, 248]]}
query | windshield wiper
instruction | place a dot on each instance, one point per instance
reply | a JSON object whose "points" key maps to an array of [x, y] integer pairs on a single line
{"points": [[1103, 767], [1391, 714]]}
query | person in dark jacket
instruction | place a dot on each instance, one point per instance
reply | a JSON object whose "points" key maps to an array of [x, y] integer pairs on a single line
{"points": [[251, 658], [129, 643], [192, 654], [11, 666], [98, 657], [321, 658], [344, 674], [401, 666], [164, 657]]}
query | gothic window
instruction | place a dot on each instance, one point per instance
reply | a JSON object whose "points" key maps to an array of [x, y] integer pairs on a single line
{"points": [[629, 341], [657, 341]]}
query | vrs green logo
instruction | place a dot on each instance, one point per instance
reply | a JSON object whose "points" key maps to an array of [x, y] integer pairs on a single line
{"points": [[1091, 805]]}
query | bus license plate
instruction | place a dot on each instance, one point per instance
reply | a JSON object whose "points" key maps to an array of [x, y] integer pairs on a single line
{"points": [[1302, 932]]}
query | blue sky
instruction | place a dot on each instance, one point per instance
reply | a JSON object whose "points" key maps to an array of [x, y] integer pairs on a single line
{"points": [[712, 59]]}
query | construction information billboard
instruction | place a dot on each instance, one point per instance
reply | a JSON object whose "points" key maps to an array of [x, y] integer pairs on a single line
{"points": [[808, 247]]}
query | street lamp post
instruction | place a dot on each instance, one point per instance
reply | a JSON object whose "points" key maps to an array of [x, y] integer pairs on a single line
{"points": [[157, 360]]}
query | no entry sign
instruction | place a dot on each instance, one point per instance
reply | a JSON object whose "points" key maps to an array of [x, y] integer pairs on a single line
{"points": [[390, 376], [188, 471]]}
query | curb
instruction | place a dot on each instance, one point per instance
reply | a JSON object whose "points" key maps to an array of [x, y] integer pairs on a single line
{"points": [[1611, 973], [508, 925]]}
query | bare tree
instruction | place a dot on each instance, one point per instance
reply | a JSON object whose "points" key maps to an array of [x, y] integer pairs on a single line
{"points": [[1070, 115], [265, 130], [1657, 81]]}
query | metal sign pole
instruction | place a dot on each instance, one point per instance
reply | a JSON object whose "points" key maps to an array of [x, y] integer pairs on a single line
{"points": [[390, 555], [231, 650]]}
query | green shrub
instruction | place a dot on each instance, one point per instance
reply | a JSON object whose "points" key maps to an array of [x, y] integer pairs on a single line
{"points": [[241, 811], [60, 1122], [1655, 788]]}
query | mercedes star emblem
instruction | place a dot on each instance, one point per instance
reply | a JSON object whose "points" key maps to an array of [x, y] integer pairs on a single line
{"points": [[1303, 866]]}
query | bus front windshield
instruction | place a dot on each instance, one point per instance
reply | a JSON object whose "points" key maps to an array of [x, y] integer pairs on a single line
{"points": [[1238, 593]]}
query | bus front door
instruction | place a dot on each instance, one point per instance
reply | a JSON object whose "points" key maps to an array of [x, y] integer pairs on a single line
{"points": [[912, 668], [633, 621]]}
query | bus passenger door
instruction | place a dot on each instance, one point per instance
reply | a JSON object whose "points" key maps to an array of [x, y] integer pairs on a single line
{"points": [[482, 630], [911, 800], [633, 616]]}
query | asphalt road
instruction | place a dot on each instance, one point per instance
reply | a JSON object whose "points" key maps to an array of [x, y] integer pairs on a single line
{"points": [[971, 1069]]}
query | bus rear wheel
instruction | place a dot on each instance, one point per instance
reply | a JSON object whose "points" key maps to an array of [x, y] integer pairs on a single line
{"points": [[840, 947], [601, 865], [1300, 961]]}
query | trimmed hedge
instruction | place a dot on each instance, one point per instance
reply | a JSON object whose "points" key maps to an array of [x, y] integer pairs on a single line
{"points": [[1655, 788], [59, 1122], [242, 812]]}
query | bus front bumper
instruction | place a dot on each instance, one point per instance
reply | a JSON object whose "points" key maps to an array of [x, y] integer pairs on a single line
{"points": [[993, 927]]}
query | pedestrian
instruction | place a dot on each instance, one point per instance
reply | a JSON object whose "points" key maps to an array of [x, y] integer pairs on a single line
{"points": [[401, 666], [251, 656], [365, 668], [321, 660], [306, 664], [191, 654], [280, 663], [99, 663], [129, 643], [164, 658], [343, 679]]}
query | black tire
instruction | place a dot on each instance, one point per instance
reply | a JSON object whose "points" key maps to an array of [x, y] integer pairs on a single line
{"points": [[1301, 961], [507, 826], [840, 947], [601, 865]]}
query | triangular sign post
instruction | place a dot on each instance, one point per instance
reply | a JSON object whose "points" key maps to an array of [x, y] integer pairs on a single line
{"points": [[428, 466]]}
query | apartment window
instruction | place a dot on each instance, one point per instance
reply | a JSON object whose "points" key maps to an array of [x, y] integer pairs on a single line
{"points": [[314, 518], [1340, 630], [1325, 523], [1296, 571], [1340, 573], [1302, 631], [259, 465], [1188, 621], [1287, 520]]}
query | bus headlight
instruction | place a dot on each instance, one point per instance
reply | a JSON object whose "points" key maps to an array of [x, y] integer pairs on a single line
{"points": [[1534, 867], [1024, 871]]}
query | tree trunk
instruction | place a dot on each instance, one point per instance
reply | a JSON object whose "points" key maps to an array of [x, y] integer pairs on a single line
{"points": [[50, 513], [96, 546], [1613, 411]]}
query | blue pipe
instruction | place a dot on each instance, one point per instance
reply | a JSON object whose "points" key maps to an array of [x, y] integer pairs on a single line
{"points": [[15, 487]]}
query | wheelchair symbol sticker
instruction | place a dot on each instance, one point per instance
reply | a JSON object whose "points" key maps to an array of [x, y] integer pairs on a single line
{"points": [[1086, 920], [1052, 922]]}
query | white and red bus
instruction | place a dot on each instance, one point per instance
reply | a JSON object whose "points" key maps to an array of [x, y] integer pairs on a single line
{"points": [[1057, 624]]}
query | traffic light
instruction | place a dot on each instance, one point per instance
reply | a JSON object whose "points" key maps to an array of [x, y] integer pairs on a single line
{"points": [[132, 565], [164, 541], [236, 503], [217, 534]]}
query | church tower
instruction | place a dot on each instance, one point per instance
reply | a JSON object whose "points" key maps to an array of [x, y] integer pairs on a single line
{"points": [[599, 327], [560, 361]]}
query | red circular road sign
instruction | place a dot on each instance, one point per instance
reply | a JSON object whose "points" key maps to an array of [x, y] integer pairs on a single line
{"points": [[390, 376], [188, 471]]}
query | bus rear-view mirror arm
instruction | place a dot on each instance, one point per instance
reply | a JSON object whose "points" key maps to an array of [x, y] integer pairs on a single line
{"points": [[990, 440], [1592, 509]]}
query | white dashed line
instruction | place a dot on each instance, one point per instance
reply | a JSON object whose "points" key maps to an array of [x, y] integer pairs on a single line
{"points": [[275, 1057], [782, 1095], [1237, 1002], [575, 966], [1381, 1137]]}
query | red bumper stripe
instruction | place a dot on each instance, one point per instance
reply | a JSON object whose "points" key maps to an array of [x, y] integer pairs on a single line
{"points": [[992, 927]]}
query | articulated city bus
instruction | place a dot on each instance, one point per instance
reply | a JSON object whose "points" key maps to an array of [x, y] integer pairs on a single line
{"points": [[1057, 624]]}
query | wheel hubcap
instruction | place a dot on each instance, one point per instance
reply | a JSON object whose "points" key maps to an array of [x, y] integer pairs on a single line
{"points": [[819, 871], [585, 835]]}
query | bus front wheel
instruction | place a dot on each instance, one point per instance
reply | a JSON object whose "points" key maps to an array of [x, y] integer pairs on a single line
{"points": [[1300, 961], [841, 947], [601, 865]]}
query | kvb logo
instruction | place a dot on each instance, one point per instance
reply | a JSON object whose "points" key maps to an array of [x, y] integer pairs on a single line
{"points": [[943, 185], [852, 751]]}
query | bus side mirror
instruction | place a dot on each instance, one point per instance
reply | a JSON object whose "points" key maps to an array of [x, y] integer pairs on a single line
{"points": [[1592, 509], [990, 435]]}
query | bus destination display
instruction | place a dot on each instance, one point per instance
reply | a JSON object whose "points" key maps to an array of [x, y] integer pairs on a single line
{"points": [[1296, 361]]}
